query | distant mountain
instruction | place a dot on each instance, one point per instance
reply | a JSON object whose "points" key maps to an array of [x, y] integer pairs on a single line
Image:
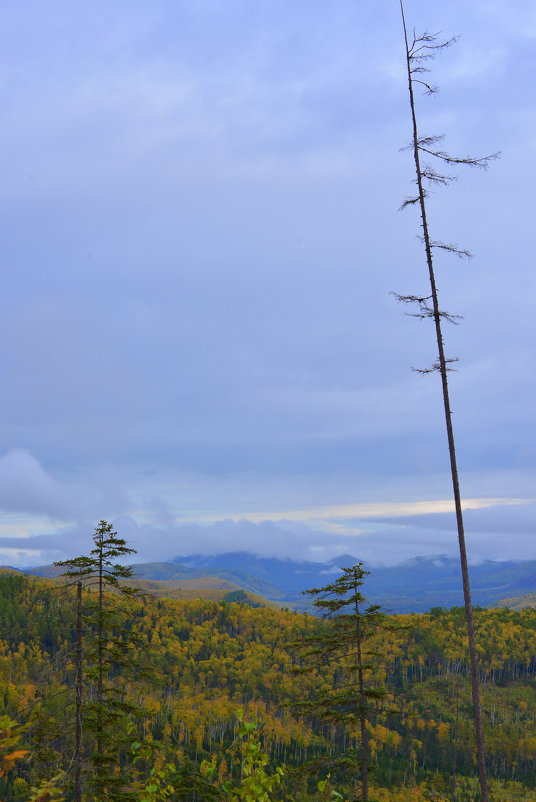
{"points": [[43, 570], [414, 586], [280, 580]]}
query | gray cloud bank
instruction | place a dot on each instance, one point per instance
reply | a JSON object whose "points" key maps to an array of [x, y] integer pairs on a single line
{"points": [[385, 542], [48, 518]]}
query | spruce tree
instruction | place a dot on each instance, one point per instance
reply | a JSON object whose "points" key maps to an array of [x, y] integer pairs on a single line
{"points": [[345, 638], [102, 645]]}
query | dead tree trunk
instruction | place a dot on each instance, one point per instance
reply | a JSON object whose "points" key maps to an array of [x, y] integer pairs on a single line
{"points": [[418, 51]]}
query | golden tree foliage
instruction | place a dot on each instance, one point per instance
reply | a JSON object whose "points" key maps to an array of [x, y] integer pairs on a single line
{"points": [[211, 660]]}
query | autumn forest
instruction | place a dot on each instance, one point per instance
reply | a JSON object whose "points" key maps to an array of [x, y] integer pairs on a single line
{"points": [[154, 699]]}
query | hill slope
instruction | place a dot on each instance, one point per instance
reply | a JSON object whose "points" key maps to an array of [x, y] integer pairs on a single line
{"points": [[414, 586], [210, 661]]}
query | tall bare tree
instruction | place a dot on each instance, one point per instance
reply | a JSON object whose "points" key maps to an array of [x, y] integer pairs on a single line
{"points": [[419, 50]]}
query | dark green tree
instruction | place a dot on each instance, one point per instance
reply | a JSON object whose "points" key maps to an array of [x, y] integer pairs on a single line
{"points": [[102, 646], [427, 153], [345, 637]]}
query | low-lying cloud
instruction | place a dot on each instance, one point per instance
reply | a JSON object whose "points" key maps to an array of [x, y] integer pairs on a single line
{"points": [[385, 541]]}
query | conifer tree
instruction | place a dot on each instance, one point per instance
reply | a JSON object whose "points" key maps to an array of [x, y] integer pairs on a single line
{"points": [[349, 625], [101, 645], [419, 50]]}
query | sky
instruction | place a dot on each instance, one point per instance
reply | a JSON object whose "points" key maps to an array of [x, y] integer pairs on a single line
{"points": [[200, 235]]}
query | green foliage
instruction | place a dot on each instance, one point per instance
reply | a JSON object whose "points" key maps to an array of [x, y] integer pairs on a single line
{"points": [[328, 792], [104, 647], [159, 787], [212, 660], [48, 790], [240, 597], [11, 734], [10, 737], [255, 783], [344, 641]]}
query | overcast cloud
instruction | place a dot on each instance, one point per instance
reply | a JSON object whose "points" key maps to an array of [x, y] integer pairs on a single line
{"points": [[199, 238]]}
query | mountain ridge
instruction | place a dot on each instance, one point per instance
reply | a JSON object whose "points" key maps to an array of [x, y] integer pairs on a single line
{"points": [[413, 586]]}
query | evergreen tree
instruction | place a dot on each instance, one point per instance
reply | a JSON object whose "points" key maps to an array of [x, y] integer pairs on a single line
{"points": [[101, 646], [345, 639]]}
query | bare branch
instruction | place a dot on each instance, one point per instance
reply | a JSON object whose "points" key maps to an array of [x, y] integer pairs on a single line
{"points": [[430, 140], [429, 312], [450, 317], [470, 161], [424, 308], [423, 141], [410, 299], [461, 253], [409, 202], [429, 89], [436, 367], [425, 45], [429, 174]]}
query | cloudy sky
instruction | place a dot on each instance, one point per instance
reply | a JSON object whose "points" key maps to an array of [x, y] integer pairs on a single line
{"points": [[199, 238]]}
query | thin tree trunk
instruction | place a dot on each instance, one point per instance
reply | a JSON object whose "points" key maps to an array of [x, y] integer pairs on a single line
{"points": [[362, 711], [78, 698], [100, 667], [477, 710]]}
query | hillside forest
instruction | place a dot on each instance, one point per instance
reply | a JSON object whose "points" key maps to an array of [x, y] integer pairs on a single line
{"points": [[166, 699]]}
